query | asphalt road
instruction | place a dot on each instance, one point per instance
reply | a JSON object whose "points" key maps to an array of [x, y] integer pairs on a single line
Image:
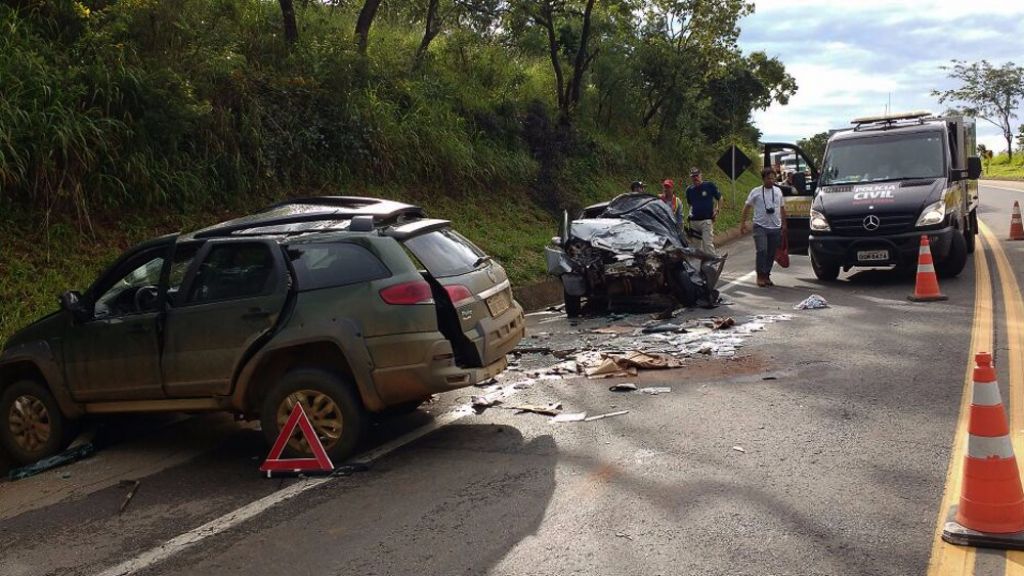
{"points": [[821, 447]]}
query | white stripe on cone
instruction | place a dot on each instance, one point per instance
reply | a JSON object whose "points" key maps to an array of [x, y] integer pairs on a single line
{"points": [[986, 394], [984, 447]]}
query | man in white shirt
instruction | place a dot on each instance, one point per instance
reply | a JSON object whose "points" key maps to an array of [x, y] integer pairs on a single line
{"points": [[769, 223]]}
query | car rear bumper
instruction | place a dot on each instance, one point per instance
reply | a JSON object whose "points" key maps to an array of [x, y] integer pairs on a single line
{"points": [[902, 248], [413, 366]]}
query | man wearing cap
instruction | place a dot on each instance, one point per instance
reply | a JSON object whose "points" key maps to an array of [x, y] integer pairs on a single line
{"points": [[703, 198], [674, 204]]}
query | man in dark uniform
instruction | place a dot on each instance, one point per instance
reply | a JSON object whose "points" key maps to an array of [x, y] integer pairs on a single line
{"points": [[703, 198]]}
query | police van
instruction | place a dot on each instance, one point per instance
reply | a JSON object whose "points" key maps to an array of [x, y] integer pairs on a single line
{"points": [[883, 184]]}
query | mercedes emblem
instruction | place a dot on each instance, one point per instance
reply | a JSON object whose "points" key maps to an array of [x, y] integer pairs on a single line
{"points": [[871, 223]]}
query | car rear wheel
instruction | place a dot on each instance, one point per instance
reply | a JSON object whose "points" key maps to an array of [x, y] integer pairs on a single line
{"points": [[573, 305], [955, 261], [331, 404], [31, 424], [822, 271]]}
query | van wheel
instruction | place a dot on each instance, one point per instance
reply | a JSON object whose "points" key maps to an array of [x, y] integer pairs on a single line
{"points": [[31, 424], [824, 272], [955, 261], [572, 305], [331, 404]]}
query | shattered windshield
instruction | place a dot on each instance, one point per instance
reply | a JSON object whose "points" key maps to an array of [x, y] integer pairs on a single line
{"points": [[884, 157]]}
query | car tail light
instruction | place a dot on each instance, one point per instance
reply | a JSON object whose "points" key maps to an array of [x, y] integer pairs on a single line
{"points": [[458, 292], [416, 292]]}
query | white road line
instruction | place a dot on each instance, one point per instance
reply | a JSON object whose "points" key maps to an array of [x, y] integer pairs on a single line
{"points": [[257, 507], [739, 280]]}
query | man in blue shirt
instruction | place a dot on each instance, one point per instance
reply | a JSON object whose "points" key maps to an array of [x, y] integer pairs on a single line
{"points": [[703, 198]]}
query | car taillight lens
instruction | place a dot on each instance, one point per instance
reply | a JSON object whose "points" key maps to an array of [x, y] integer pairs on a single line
{"points": [[417, 292], [458, 293]]}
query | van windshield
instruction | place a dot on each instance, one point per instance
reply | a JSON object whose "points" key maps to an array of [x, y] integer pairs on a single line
{"points": [[884, 157]]}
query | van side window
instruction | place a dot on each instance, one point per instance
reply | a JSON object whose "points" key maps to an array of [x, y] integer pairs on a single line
{"points": [[232, 271], [328, 265]]}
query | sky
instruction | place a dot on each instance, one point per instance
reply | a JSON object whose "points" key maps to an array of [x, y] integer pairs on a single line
{"points": [[852, 59]]}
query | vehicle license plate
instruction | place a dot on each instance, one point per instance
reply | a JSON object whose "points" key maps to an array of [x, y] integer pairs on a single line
{"points": [[499, 303], [873, 255]]}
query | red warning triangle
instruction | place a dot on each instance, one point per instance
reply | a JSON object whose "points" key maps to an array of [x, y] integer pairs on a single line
{"points": [[320, 461]]}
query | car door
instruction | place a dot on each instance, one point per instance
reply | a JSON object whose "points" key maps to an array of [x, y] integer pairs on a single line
{"points": [[476, 309], [798, 188], [114, 354], [231, 297]]}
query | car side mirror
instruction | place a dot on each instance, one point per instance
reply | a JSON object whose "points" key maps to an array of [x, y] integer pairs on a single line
{"points": [[71, 302], [973, 167]]}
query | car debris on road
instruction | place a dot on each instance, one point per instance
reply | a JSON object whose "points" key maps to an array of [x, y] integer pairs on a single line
{"points": [[812, 302]]}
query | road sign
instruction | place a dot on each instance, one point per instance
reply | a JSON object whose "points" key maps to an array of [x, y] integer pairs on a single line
{"points": [[320, 461], [733, 162]]}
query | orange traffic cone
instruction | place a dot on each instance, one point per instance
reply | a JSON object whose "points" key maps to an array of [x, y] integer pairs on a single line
{"points": [[991, 511], [927, 287], [1016, 228]]}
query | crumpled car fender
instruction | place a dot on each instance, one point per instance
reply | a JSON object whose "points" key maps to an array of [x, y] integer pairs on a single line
{"points": [[558, 261]]}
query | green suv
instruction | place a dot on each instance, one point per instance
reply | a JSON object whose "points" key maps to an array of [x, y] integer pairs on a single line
{"points": [[346, 305]]}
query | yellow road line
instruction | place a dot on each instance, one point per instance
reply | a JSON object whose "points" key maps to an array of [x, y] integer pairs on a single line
{"points": [[947, 559], [1015, 344]]}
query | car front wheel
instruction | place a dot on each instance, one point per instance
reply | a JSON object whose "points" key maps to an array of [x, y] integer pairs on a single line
{"points": [[331, 404], [31, 424]]}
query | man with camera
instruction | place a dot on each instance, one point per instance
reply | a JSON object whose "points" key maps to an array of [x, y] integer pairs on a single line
{"points": [[769, 223]]}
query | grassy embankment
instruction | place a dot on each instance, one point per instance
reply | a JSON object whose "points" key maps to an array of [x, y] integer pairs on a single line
{"points": [[121, 121], [40, 261], [1000, 167]]}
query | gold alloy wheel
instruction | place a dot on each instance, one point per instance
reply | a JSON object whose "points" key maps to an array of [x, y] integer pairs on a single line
{"points": [[29, 423], [323, 413]]}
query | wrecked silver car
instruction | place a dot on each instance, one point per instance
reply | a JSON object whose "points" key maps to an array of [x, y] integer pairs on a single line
{"points": [[629, 247]]}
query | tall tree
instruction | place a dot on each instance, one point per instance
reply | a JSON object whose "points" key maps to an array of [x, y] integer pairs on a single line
{"points": [[366, 16], [815, 146], [476, 15], [990, 93], [291, 29], [567, 27]]}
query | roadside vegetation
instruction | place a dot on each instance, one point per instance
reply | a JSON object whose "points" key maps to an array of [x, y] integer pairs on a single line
{"points": [[1002, 167], [121, 120]]}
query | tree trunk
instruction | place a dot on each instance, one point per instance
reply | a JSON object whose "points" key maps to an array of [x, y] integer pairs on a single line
{"points": [[291, 30], [432, 29], [549, 24], [366, 16], [581, 59]]}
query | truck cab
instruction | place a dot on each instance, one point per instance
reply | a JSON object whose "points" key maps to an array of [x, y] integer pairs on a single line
{"points": [[886, 182]]}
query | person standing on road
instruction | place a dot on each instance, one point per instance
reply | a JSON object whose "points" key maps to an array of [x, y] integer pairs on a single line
{"points": [[769, 223], [637, 187], [703, 198], [674, 204]]}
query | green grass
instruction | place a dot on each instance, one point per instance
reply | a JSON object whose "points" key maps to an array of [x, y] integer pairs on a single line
{"points": [[1001, 167]]}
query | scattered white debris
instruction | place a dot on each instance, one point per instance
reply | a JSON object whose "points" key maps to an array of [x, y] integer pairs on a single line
{"points": [[608, 415], [813, 302], [739, 449], [623, 387], [655, 390], [570, 417]]}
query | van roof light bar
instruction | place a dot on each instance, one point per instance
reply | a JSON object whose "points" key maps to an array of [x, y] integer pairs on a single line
{"points": [[915, 115]]}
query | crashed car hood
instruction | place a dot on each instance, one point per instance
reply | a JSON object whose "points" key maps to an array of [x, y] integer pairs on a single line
{"points": [[617, 235]]}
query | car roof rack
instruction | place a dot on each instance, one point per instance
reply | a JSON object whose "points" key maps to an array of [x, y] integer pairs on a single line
{"points": [[316, 209]]}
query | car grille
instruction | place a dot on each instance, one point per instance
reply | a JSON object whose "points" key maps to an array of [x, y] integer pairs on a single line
{"points": [[887, 224]]}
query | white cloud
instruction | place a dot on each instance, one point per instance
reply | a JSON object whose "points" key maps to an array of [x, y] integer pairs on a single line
{"points": [[859, 59]]}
